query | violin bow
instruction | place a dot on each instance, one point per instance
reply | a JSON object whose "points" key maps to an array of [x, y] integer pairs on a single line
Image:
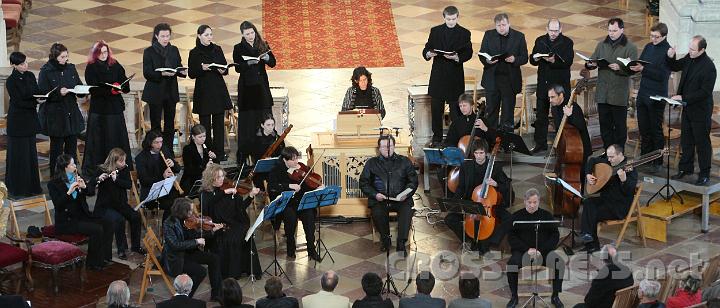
{"points": [[312, 167]]}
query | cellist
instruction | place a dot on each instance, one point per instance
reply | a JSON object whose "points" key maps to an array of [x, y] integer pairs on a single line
{"points": [[471, 176], [463, 125]]}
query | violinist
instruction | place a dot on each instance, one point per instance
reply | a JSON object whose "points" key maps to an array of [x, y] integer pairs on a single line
{"points": [[196, 156], [68, 190], [112, 182], [181, 250], [226, 206], [463, 125], [151, 168], [614, 200], [471, 176], [387, 176], [279, 181]]}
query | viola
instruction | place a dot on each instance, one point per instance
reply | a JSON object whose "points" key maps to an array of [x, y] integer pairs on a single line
{"points": [[241, 188], [303, 174], [195, 222]]}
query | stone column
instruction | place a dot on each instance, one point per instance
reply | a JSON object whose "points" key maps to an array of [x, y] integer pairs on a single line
{"points": [[420, 118], [5, 69]]}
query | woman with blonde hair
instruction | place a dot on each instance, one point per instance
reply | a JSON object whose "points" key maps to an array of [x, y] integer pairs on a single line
{"points": [[227, 207]]}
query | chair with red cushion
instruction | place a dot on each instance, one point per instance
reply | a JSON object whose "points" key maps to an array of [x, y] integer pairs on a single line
{"points": [[12, 14], [48, 230], [11, 255], [55, 255]]}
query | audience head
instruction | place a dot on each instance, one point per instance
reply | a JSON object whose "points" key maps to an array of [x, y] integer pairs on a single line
{"points": [[556, 94], [451, 14], [691, 282], [181, 208], [697, 46], [59, 53], [648, 290], [615, 154], [386, 145], [425, 282], [204, 36], [153, 141], [183, 283], [290, 156], [115, 160], [101, 51], [161, 34], [329, 281], [212, 177], [198, 134], [532, 200], [616, 28], [64, 164], [252, 36], [231, 293], [502, 23], [554, 28], [273, 287], [371, 284], [118, 294], [466, 103], [469, 285], [658, 32], [361, 78], [17, 60]]}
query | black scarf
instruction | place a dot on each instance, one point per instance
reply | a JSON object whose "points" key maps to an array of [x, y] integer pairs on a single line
{"points": [[57, 65], [163, 52]]}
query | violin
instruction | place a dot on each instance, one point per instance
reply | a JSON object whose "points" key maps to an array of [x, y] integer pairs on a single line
{"points": [[304, 174], [195, 222]]}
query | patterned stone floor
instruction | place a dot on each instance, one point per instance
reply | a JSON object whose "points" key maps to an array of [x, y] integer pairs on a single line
{"points": [[315, 96]]}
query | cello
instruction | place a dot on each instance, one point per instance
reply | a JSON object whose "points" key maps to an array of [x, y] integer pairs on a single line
{"points": [[465, 143], [569, 161], [488, 197]]}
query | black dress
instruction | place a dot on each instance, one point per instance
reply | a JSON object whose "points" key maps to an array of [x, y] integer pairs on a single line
{"points": [[210, 97], [21, 175], [194, 165], [230, 243], [106, 127], [254, 97]]}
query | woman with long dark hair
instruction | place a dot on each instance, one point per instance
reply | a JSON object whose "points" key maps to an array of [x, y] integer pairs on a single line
{"points": [[161, 86], [196, 157], [72, 216], [210, 97], [228, 208], [254, 97], [362, 94], [21, 165], [60, 117], [106, 127], [151, 168]]}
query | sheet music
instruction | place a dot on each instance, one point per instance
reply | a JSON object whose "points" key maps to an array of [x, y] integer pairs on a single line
{"points": [[565, 185], [667, 99], [255, 225], [158, 190]]}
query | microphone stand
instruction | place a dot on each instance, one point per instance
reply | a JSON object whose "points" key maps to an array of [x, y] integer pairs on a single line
{"points": [[389, 285]]}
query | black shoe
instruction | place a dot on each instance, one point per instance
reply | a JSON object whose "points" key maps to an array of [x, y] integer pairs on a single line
{"points": [[140, 250], [538, 149], [312, 255], [513, 302], [681, 174], [555, 300], [122, 255], [291, 255], [702, 180]]}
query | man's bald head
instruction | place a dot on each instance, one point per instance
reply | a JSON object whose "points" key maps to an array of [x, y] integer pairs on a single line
{"points": [[329, 281]]}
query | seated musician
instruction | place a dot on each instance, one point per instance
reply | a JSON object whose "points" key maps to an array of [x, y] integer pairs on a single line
{"points": [[227, 207], [471, 176], [195, 157], [463, 125], [575, 117], [386, 176], [151, 169], [525, 252], [183, 251], [265, 137], [362, 94], [279, 181], [614, 198]]}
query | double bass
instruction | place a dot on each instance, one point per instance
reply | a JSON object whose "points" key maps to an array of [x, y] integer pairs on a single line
{"points": [[488, 197], [568, 146], [464, 144]]}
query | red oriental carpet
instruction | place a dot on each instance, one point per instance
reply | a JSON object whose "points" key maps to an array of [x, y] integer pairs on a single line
{"points": [[331, 33]]}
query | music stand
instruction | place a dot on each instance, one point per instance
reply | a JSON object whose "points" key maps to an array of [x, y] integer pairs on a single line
{"points": [[158, 190], [576, 194], [315, 199], [668, 196], [276, 207], [537, 224], [463, 207], [450, 156], [194, 190], [265, 165]]}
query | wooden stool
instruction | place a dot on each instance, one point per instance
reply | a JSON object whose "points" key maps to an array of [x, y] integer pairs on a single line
{"points": [[55, 255]]}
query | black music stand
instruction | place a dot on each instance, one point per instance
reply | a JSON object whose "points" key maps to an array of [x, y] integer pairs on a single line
{"points": [[536, 223], [315, 199], [450, 156], [668, 196], [576, 194], [463, 207], [276, 207]]}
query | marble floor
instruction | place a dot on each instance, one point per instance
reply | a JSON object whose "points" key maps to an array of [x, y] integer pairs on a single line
{"points": [[316, 94]]}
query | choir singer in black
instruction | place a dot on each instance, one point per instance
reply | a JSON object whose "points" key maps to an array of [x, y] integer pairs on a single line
{"points": [[387, 176], [696, 89], [449, 47]]}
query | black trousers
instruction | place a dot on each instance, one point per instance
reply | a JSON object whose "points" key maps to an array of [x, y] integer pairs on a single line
{"points": [[164, 110], [650, 120], [193, 268], [542, 120], [595, 210], [100, 236], [455, 222], [613, 124], [695, 137], [381, 218], [520, 259], [119, 216], [290, 216], [437, 110], [62, 145], [503, 97], [215, 126]]}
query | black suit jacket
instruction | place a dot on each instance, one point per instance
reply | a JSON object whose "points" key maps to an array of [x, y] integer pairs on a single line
{"points": [[252, 75], [696, 84], [447, 77], [181, 301], [373, 302], [22, 119], [69, 210], [157, 86], [280, 302], [150, 171], [516, 46], [553, 73]]}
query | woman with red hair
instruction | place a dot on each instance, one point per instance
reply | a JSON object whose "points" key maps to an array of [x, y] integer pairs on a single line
{"points": [[106, 122]]}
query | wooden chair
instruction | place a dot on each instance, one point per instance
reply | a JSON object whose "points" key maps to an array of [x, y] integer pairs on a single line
{"points": [[141, 126], [626, 298], [699, 305], [711, 272], [152, 266], [11, 255], [633, 215], [48, 230], [650, 20], [521, 111]]}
